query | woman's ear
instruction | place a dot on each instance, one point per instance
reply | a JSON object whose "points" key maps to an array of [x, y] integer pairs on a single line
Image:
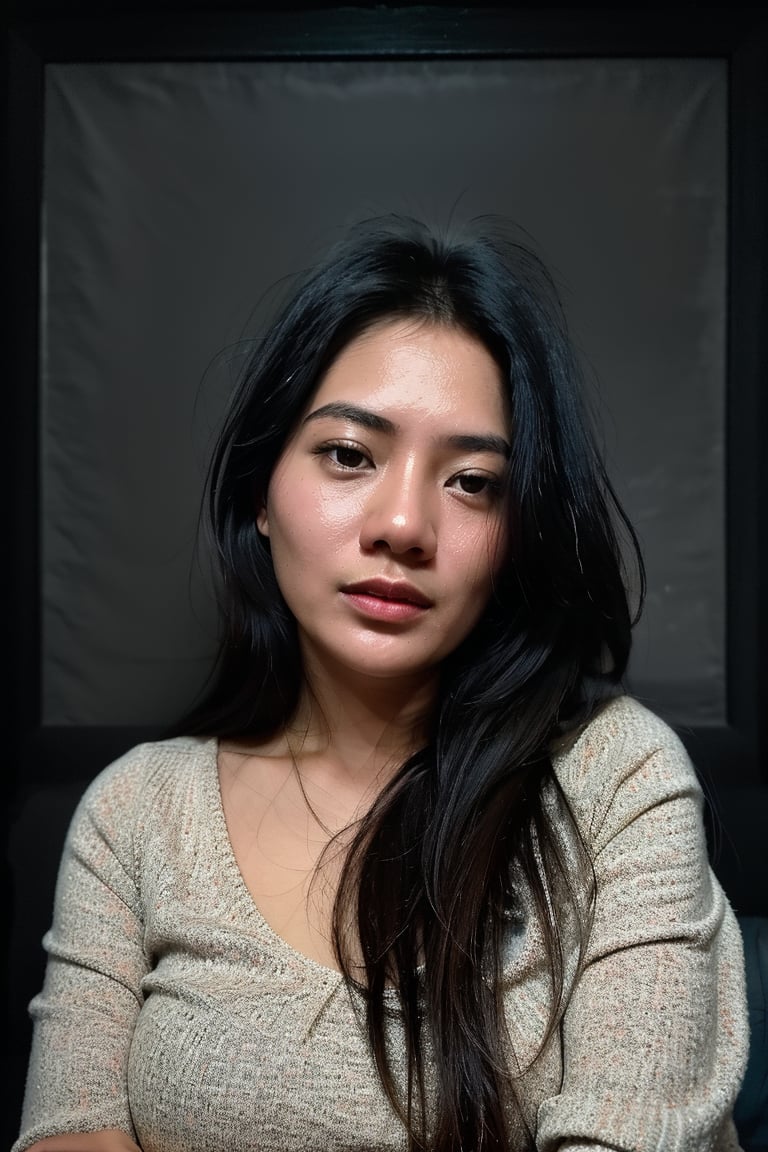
{"points": [[262, 519]]}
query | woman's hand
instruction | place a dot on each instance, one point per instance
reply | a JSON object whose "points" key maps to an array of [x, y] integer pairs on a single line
{"points": [[108, 1140]]}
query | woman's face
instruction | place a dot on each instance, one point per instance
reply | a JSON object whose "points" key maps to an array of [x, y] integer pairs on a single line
{"points": [[384, 512]]}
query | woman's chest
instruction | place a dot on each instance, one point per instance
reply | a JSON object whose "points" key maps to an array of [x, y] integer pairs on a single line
{"points": [[254, 1068], [245, 1043], [287, 854]]}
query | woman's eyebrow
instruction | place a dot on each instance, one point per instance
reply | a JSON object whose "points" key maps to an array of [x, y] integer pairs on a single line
{"points": [[357, 415], [464, 441], [480, 442]]}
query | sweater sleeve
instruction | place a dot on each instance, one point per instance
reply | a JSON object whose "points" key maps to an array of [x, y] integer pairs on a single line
{"points": [[86, 1012], [655, 1034]]}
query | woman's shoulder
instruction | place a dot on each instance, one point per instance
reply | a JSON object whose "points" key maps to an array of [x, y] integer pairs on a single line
{"points": [[154, 764], [622, 762], [149, 781]]}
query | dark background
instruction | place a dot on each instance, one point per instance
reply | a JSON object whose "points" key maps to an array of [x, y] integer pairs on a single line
{"points": [[132, 265]]}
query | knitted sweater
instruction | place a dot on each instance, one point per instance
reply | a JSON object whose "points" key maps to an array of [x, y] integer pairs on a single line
{"points": [[171, 1010]]}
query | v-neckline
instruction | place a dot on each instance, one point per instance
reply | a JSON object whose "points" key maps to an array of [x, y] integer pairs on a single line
{"points": [[247, 901]]}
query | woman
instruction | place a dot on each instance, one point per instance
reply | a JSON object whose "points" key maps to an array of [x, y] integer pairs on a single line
{"points": [[417, 875]]}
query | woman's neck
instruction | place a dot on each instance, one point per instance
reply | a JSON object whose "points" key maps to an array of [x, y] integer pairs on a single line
{"points": [[362, 728]]}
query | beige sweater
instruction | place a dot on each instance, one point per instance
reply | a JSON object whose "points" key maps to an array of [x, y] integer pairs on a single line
{"points": [[172, 1010]]}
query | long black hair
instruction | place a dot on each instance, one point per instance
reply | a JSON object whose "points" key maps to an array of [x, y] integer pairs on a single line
{"points": [[437, 867]]}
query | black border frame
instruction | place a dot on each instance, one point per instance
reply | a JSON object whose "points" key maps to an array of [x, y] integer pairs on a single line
{"points": [[734, 757]]}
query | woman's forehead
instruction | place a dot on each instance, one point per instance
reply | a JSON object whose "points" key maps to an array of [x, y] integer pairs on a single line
{"points": [[414, 367]]}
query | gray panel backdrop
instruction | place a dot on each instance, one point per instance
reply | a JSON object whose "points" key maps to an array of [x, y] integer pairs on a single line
{"points": [[177, 197]]}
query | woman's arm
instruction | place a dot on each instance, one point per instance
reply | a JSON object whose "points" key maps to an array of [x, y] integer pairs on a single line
{"points": [[85, 1015], [655, 1035]]}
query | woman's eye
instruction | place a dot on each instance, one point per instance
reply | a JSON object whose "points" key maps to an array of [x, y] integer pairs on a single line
{"points": [[476, 484], [344, 456], [348, 457]]}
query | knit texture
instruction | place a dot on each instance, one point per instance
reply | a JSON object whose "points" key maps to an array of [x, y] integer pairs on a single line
{"points": [[171, 1010]]}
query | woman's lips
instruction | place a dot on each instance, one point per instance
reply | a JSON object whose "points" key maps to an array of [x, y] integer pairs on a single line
{"points": [[387, 599]]}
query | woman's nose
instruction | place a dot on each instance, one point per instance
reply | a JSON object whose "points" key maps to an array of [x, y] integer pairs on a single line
{"points": [[400, 515]]}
